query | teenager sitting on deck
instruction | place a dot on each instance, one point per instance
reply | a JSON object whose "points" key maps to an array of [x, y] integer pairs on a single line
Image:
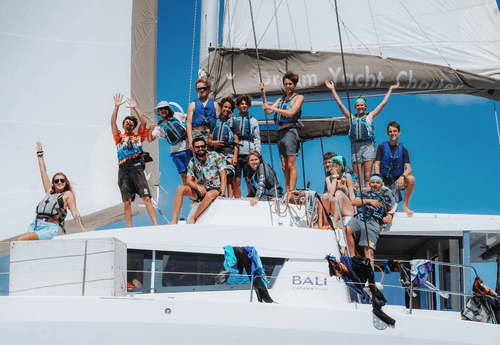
{"points": [[376, 204], [206, 179], [393, 164], [264, 184]]}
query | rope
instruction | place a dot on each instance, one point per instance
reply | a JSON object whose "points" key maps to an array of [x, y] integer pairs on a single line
{"points": [[374, 28], [303, 166], [496, 118], [192, 51], [291, 22], [350, 120], [424, 33], [263, 97], [308, 30]]}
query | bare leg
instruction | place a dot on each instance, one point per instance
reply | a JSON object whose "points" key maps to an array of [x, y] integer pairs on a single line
{"points": [[150, 208], [369, 253], [183, 178], [367, 166], [345, 207], [284, 167], [32, 236], [409, 185], [248, 183], [358, 171], [292, 171], [127, 205], [207, 200], [237, 187], [350, 240], [179, 195], [230, 191]]}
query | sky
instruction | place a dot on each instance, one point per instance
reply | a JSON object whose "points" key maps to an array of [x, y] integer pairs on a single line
{"points": [[452, 140]]}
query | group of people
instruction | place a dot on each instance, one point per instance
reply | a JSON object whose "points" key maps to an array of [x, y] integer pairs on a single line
{"points": [[212, 148]]}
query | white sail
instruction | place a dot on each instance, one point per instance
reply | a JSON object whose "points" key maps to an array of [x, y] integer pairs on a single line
{"points": [[461, 34], [62, 62]]}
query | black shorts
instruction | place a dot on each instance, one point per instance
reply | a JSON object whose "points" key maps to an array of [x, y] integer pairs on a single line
{"points": [[242, 166], [132, 181], [201, 197]]}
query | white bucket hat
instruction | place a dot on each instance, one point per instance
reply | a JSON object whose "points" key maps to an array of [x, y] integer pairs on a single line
{"points": [[163, 104]]}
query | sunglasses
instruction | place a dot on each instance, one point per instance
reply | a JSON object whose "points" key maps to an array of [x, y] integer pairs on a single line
{"points": [[202, 89], [57, 180], [200, 147], [164, 108]]}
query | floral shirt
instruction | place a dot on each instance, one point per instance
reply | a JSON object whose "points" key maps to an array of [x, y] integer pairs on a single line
{"points": [[207, 174], [371, 211]]}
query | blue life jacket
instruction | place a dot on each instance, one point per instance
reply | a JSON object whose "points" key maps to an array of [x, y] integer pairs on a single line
{"points": [[203, 115], [392, 166], [360, 129], [282, 119], [174, 130], [246, 128], [222, 131]]}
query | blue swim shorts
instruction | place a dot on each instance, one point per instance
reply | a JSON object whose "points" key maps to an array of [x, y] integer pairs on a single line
{"points": [[44, 230], [181, 160]]}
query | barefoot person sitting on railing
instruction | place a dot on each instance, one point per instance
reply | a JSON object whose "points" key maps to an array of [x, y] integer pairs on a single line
{"points": [[53, 208]]}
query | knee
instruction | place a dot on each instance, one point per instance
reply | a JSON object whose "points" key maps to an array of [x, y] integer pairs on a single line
{"points": [[128, 203], [146, 199], [409, 180]]}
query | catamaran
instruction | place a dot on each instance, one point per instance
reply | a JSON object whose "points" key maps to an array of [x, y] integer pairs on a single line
{"points": [[174, 283]]}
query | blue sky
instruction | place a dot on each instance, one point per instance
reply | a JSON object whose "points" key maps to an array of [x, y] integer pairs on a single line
{"points": [[452, 140]]}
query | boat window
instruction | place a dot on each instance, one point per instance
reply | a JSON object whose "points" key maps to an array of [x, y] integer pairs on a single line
{"points": [[139, 271], [181, 271]]}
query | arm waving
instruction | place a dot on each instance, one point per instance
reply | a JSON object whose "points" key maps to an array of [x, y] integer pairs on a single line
{"points": [[343, 109], [118, 101], [381, 106], [47, 186], [133, 104]]}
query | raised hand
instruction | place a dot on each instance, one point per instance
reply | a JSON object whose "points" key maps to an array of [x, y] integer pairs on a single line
{"points": [[395, 86], [152, 126], [118, 99], [329, 84], [262, 88], [131, 103], [39, 146]]}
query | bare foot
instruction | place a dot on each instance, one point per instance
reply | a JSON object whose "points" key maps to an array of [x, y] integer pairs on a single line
{"points": [[173, 222], [408, 211], [192, 221]]}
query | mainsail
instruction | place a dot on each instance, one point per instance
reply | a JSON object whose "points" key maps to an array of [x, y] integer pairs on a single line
{"points": [[428, 46], [59, 73]]}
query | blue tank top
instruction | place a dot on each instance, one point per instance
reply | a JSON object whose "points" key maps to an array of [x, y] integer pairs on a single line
{"points": [[203, 115]]}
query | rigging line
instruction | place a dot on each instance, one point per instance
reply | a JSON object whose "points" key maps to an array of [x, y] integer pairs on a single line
{"points": [[219, 60], [424, 33], [277, 27], [303, 165], [269, 24], [352, 33], [308, 29], [374, 28], [263, 98], [192, 51], [354, 146], [291, 22], [496, 118]]}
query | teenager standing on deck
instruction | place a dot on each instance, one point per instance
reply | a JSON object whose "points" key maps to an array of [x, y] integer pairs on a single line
{"points": [[287, 111], [361, 133]]}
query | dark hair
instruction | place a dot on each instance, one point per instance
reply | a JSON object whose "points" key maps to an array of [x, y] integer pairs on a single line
{"points": [[205, 81], [245, 98], [131, 118], [329, 155], [364, 99], [257, 154], [227, 100], [393, 124], [198, 138], [66, 187], [294, 77]]}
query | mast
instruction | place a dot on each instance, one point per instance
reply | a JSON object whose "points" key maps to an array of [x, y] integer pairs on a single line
{"points": [[209, 23]]}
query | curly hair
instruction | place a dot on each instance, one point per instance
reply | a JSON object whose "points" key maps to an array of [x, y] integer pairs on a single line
{"points": [[131, 118], [257, 154], [227, 100], [245, 98], [204, 81]]}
